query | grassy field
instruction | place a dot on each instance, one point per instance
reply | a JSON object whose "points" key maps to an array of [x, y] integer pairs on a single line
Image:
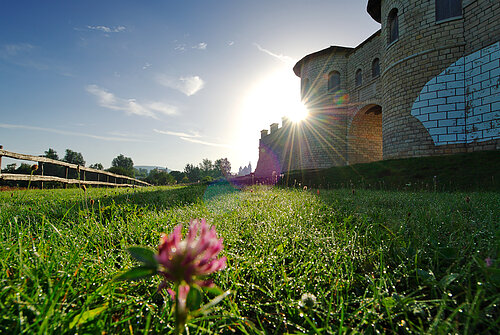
{"points": [[375, 261]]}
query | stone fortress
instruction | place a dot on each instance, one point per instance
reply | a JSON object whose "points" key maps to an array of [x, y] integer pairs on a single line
{"points": [[427, 83]]}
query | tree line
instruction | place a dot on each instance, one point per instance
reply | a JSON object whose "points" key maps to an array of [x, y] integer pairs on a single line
{"points": [[206, 171]]}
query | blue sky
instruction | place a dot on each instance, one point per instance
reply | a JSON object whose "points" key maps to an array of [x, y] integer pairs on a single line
{"points": [[164, 82]]}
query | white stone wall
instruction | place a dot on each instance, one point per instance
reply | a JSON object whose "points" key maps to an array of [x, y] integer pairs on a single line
{"points": [[462, 103]]}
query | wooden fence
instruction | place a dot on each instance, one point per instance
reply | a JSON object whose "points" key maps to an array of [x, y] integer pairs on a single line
{"points": [[108, 178]]}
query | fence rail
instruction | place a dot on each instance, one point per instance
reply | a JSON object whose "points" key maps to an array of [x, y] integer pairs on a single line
{"points": [[119, 180]]}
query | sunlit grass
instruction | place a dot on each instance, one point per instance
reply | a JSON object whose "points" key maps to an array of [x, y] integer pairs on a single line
{"points": [[376, 261]]}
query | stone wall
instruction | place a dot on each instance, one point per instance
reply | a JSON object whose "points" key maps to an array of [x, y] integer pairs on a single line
{"points": [[461, 104], [361, 58]]}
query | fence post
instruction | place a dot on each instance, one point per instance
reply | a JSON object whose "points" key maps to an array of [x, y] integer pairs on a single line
{"points": [[66, 183], [1, 148], [41, 169]]}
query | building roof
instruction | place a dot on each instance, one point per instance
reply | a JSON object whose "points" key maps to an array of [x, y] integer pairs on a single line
{"points": [[373, 8], [327, 51], [333, 49]]}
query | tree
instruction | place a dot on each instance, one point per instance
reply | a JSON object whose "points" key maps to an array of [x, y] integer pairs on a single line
{"points": [[178, 175], [121, 171], [52, 169], [123, 162], [206, 166], [159, 177], [11, 168], [223, 166], [122, 165], [193, 173], [97, 166], [74, 157], [141, 173], [24, 169], [51, 153]]}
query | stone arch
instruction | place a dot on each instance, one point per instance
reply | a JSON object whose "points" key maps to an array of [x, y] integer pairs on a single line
{"points": [[364, 137]]}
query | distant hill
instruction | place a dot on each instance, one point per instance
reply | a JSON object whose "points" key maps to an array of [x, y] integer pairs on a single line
{"points": [[149, 168]]}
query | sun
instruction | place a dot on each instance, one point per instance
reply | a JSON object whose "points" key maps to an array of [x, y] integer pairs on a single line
{"points": [[275, 96], [267, 101], [298, 112]]}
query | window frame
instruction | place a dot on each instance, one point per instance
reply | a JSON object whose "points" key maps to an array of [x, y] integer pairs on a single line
{"points": [[376, 61], [358, 78], [331, 87], [450, 17], [392, 21]]}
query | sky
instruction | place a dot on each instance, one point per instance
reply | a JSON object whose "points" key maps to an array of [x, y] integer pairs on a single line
{"points": [[166, 83]]}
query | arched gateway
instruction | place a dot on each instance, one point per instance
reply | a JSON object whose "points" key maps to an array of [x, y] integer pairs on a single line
{"points": [[364, 137]]}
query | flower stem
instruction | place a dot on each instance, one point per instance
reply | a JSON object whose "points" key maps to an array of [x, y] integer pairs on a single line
{"points": [[181, 312]]}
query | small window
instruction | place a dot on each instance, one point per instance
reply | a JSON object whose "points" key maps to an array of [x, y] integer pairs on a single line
{"points": [[376, 68], [393, 25], [333, 81], [446, 9], [359, 77]]}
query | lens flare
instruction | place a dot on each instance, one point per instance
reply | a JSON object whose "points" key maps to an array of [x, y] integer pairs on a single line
{"points": [[340, 98]]}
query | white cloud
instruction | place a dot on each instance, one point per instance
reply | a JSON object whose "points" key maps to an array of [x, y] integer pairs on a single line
{"points": [[200, 46], [15, 49], [163, 108], [230, 43], [188, 85], [146, 66], [25, 55], [70, 133], [130, 106], [283, 58], [117, 29], [180, 47], [192, 140], [193, 137], [176, 133]]}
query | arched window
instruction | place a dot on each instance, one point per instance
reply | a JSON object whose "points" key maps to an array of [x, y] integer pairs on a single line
{"points": [[359, 77], [393, 25], [333, 81], [375, 68], [446, 9]]}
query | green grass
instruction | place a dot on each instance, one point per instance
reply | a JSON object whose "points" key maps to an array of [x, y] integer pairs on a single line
{"points": [[376, 261], [461, 172]]}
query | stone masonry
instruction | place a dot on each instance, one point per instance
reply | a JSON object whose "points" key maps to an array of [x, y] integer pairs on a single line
{"points": [[430, 89]]}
